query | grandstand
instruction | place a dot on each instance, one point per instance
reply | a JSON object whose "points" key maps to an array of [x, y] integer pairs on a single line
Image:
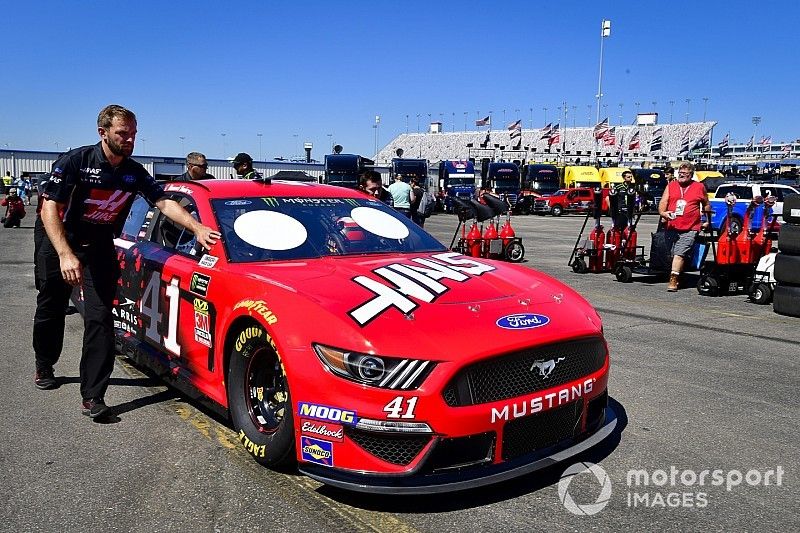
{"points": [[576, 144]]}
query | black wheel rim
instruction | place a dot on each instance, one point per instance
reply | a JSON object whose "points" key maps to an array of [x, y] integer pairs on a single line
{"points": [[515, 252], [266, 391]]}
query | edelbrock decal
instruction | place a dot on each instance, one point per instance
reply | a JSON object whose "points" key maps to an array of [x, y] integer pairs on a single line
{"points": [[522, 321], [418, 279]]}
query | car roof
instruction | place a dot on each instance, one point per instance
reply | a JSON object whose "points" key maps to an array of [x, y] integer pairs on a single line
{"points": [[227, 188]]}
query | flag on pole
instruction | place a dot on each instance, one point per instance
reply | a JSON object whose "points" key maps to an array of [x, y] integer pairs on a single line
{"points": [[657, 142], [610, 138], [516, 129], [484, 121], [723, 144], [555, 136], [546, 131], [750, 142], [787, 148], [485, 142], [703, 142], [684, 143], [766, 143], [633, 142], [601, 128]]}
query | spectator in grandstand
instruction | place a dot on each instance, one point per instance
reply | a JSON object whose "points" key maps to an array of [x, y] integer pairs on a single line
{"points": [[196, 168], [402, 195], [243, 164], [418, 192], [680, 206], [371, 184]]}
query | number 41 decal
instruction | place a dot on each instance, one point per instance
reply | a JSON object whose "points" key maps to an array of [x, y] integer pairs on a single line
{"points": [[395, 407], [150, 307]]}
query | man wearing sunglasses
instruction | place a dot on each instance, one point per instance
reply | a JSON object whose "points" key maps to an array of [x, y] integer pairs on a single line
{"points": [[196, 168]]}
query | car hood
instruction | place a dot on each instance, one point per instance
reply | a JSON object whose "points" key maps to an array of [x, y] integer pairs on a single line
{"points": [[492, 306]]}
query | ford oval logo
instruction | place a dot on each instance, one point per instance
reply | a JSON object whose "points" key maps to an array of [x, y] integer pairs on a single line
{"points": [[523, 321]]}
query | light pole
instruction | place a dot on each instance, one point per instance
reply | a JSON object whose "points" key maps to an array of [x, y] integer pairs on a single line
{"points": [[454, 121], [377, 127], [418, 122], [224, 146], [296, 147], [330, 140], [620, 113], [688, 101], [637, 110], [605, 31], [56, 143], [465, 120], [574, 114], [588, 114], [260, 156], [756, 122], [504, 116], [531, 110], [545, 115], [705, 107], [406, 123], [671, 103], [144, 146], [183, 148], [654, 105]]}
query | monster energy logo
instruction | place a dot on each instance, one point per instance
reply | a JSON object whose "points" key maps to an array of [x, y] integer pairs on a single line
{"points": [[351, 202], [272, 202]]}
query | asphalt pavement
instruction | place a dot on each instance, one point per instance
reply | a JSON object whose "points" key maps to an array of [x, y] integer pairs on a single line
{"points": [[699, 384]]}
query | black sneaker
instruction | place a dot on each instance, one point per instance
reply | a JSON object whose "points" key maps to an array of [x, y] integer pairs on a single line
{"points": [[45, 379], [94, 407]]}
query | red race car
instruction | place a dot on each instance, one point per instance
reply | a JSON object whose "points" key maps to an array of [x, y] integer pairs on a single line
{"points": [[341, 337]]}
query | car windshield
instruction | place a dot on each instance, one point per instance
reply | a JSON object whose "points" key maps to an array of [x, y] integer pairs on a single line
{"points": [[286, 228]]}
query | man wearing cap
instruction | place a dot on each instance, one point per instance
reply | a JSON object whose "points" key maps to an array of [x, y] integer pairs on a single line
{"points": [[243, 164], [196, 168]]}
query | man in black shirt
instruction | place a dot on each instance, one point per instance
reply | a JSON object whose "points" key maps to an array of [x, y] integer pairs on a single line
{"points": [[84, 205], [196, 168]]}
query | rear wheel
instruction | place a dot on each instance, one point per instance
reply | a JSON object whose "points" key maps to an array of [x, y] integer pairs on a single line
{"points": [[514, 252], [623, 273], [708, 285], [258, 398]]}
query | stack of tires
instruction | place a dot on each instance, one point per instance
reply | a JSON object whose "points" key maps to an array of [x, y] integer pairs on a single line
{"points": [[786, 300]]}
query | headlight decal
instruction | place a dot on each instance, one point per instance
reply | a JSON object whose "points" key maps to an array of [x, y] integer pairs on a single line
{"points": [[375, 370]]}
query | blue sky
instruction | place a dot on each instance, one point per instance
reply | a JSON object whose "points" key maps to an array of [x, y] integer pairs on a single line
{"points": [[301, 71]]}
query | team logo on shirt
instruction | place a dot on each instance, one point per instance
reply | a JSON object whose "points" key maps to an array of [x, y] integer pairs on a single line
{"points": [[129, 179], [104, 206]]}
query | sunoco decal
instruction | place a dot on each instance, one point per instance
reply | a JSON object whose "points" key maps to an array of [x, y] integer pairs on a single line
{"points": [[419, 279], [316, 451], [522, 321]]}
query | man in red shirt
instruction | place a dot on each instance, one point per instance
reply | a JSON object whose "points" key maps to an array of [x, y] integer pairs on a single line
{"points": [[680, 208]]}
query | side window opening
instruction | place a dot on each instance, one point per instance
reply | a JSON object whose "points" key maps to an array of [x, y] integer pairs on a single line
{"points": [[174, 236], [137, 219]]}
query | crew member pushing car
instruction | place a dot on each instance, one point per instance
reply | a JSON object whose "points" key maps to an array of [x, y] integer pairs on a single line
{"points": [[84, 205]]}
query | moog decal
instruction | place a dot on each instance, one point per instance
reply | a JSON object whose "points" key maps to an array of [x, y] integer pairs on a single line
{"points": [[328, 414], [419, 279]]}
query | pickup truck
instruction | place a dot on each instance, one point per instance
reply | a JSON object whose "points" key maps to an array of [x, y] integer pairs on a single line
{"points": [[577, 200], [745, 192]]}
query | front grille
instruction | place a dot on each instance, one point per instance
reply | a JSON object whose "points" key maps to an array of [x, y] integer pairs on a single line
{"points": [[526, 435], [514, 374], [392, 448]]}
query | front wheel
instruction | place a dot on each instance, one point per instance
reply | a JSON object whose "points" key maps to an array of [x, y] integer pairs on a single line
{"points": [[760, 293], [579, 266], [556, 210], [258, 398], [708, 285], [623, 273]]}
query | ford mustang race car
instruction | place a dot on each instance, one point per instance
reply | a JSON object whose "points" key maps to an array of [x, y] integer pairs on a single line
{"points": [[342, 338]]}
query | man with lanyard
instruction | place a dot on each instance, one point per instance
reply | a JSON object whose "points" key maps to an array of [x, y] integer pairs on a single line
{"points": [[84, 204], [680, 208], [196, 168], [243, 164]]}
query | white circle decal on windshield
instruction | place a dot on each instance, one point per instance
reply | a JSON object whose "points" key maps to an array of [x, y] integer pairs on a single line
{"points": [[379, 222], [270, 230]]}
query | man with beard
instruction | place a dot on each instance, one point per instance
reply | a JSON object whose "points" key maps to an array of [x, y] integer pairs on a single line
{"points": [[84, 205]]}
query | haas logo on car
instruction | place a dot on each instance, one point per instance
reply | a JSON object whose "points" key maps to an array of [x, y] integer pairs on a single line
{"points": [[420, 280]]}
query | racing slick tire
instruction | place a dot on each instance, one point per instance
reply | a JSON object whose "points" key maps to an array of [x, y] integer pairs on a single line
{"points": [[579, 266], [789, 239], [708, 285], [514, 252], [760, 293], [791, 210], [623, 273], [556, 210], [786, 300], [787, 269], [258, 398]]}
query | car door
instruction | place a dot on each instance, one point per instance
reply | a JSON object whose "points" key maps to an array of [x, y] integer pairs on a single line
{"points": [[177, 317]]}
